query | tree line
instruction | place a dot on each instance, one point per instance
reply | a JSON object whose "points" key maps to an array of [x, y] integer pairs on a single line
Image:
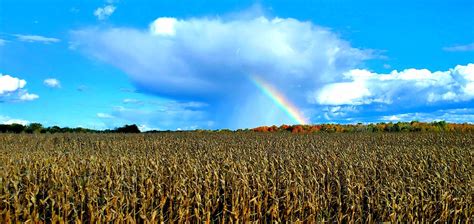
{"points": [[414, 126], [38, 128]]}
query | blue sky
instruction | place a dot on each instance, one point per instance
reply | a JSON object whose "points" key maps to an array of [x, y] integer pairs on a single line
{"points": [[186, 64]]}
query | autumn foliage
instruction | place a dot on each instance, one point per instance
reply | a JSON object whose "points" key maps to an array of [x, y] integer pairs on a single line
{"points": [[413, 126]]}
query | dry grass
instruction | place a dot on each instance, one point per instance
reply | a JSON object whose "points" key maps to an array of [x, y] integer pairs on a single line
{"points": [[192, 177]]}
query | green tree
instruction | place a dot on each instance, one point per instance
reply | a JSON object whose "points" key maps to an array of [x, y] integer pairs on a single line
{"points": [[34, 128], [128, 129]]}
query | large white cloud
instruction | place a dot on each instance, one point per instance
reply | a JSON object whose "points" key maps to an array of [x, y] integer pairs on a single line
{"points": [[210, 56], [410, 86], [211, 60]]}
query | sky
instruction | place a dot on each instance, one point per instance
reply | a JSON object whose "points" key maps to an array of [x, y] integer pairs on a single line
{"points": [[178, 65]]}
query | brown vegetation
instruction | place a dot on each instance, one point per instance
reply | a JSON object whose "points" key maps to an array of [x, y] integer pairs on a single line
{"points": [[229, 177]]}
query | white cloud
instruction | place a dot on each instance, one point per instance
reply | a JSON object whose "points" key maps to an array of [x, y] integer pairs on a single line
{"points": [[354, 93], [212, 59], [163, 26], [2, 42], [459, 115], [28, 96], [410, 86], [338, 112], [391, 118], [104, 115], [37, 38], [51, 82], [16, 121], [12, 89], [467, 47], [104, 12], [8, 120], [204, 56], [10, 84], [144, 127], [132, 101]]}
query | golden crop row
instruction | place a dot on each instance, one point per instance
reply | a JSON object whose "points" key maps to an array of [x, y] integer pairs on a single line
{"points": [[237, 177]]}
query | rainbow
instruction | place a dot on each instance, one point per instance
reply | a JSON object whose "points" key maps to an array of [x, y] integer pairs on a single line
{"points": [[279, 99]]}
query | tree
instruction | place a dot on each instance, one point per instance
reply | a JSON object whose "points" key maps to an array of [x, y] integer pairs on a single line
{"points": [[54, 129], [128, 129], [11, 128], [34, 128], [442, 125]]}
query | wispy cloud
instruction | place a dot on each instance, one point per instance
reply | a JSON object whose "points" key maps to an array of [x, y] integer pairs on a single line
{"points": [[52, 83], [128, 90], [74, 10], [36, 38], [459, 115], [104, 12], [467, 47], [104, 115], [132, 101], [2, 42]]}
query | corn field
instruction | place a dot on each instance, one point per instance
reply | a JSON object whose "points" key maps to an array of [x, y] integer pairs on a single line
{"points": [[237, 177]]}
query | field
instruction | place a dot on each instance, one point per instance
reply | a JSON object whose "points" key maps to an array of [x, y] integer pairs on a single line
{"points": [[237, 177]]}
